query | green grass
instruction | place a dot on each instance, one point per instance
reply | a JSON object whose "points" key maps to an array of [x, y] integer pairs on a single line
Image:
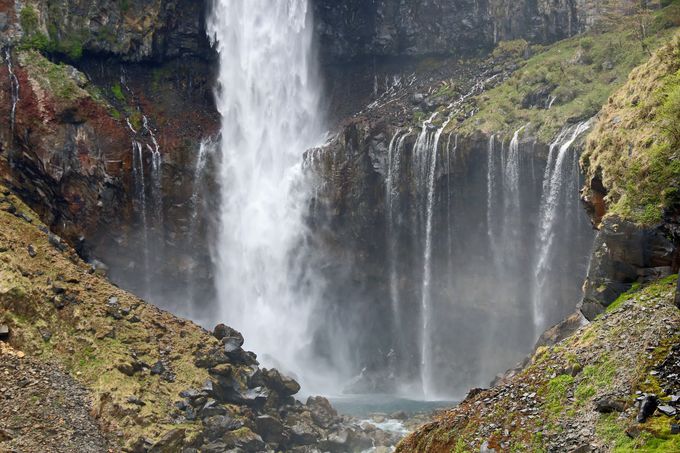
{"points": [[624, 297], [581, 73], [593, 378], [556, 393], [117, 91], [654, 437]]}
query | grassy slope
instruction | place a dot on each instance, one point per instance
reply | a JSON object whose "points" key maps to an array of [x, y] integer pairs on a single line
{"points": [[635, 146], [89, 342], [581, 73], [555, 394]]}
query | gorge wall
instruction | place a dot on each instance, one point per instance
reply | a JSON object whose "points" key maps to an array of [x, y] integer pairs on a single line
{"points": [[100, 143]]}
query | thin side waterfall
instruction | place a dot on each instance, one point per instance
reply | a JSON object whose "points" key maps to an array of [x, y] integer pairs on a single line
{"points": [[492, 203], [431, 151], [14, 86], [205, 150], [512, 215], [554, 196], [450, 153], [156, 175], [268, 96], [392, 210], [140, 204]]}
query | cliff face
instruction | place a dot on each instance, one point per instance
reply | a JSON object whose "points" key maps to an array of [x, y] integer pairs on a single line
{"points": [[85, 86], [388, 28], [132, 30], [406, 209], [120, 77], [633, 176]]}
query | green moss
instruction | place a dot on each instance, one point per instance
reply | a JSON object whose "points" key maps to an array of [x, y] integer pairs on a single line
{"points": [[624, 297], [594, 378], [655, 435], [117, 91], [460, 447], [516, 48], [556, 393]]}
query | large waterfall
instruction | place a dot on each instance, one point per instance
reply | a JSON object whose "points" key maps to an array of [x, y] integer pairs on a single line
{"points": [[268, 98]]}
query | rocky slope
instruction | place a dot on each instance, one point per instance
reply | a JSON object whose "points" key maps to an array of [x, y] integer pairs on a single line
{"points": [[155, 382], [44, 408], [595, 391]]}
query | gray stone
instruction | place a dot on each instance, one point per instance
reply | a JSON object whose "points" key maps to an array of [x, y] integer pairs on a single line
{"points": [[669, 411]]}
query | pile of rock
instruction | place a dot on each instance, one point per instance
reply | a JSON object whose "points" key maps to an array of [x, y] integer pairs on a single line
{"points": [[243, 407]]}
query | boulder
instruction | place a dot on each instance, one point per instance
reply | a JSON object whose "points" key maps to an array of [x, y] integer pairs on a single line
{"points": [[171, 442], [608, 405], [647, 408], [321, 411], [217, 426], [281, 384], [271, 429]]}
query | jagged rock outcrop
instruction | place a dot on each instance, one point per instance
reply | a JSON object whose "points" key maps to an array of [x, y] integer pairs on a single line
{"points": [[632, 183], [624, 254]]}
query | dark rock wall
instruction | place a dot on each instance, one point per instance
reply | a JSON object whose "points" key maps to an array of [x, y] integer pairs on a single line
{"points": [[481, 288], [356, 28]]}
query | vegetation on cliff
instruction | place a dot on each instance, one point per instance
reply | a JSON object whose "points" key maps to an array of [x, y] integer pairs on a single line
{"points": [[634, 148], [580, 392], [570, 80]]}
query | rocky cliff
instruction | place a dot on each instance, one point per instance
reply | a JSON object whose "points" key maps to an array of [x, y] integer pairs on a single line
{"points": [[420, 166], [390, 28]]}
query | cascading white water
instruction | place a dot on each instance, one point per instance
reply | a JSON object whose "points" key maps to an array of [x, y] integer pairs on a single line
{"points": [[138, 181], [512, 215], [491, 206], [426, 314], [156, 175], [268, 97], [206, 149], [14, 86], [392, 210], [554, 191]]}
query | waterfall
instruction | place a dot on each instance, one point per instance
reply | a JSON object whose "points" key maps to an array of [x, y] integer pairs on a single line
{"points": [[449, 221], [140, 204], [392, 211], [156, 176], [14, 86], [555, 195], [205, 150], [512, 209], [491, 201], [268, 97]]}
